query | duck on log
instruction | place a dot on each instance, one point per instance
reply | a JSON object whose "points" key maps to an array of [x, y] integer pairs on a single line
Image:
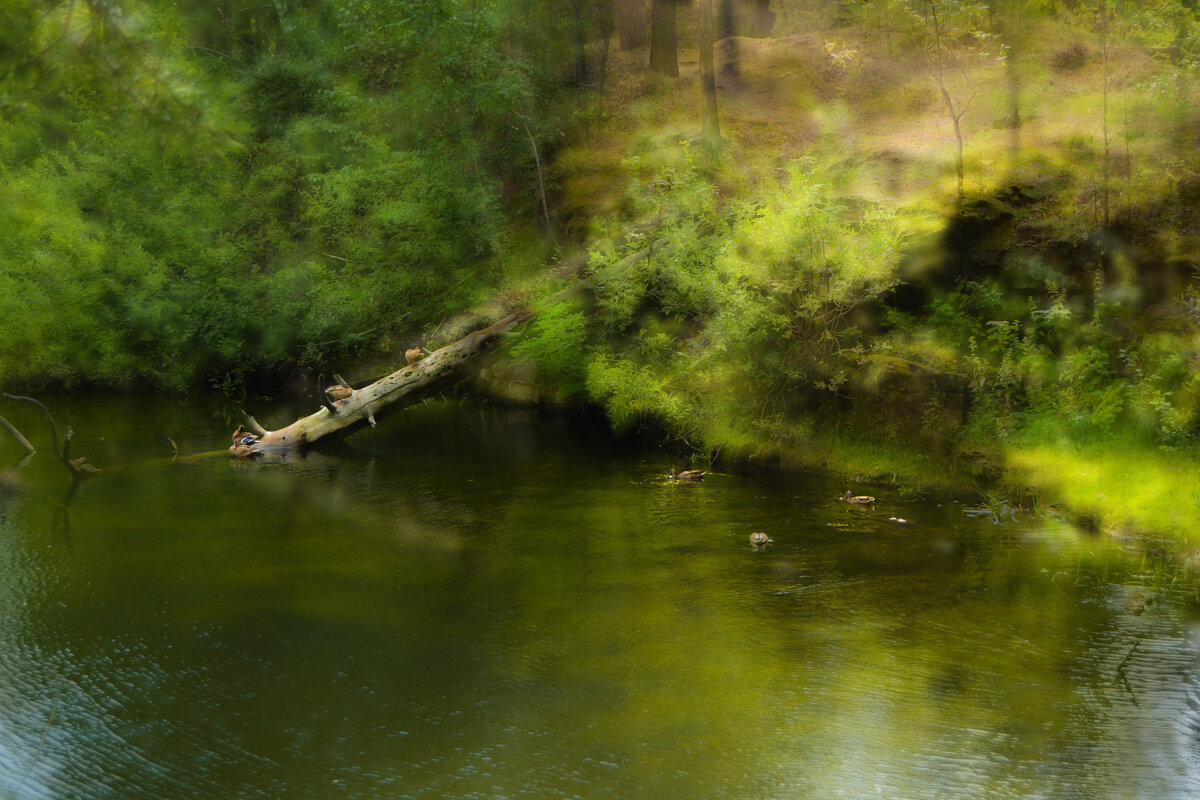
{"points": [[363, 406]]}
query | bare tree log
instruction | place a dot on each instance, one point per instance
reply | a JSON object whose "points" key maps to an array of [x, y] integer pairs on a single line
{"points": [[364, 405], [21, 440]]}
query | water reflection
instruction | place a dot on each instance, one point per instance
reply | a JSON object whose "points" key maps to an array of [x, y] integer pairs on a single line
{"points": [[484, 603]]}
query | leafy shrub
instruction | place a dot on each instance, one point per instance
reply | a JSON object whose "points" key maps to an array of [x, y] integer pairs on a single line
{"points": [[555, 343]]}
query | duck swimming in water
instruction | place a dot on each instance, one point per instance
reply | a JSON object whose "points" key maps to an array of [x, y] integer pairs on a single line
{"points": [[759, 539], [861, 499], [687, 475]]}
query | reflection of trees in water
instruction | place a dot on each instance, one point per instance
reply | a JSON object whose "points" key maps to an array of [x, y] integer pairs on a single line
{"points": [[959, 647], [469, 581]]}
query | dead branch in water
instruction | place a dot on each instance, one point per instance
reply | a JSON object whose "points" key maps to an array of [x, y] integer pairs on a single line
{"points": [[78, 467]]}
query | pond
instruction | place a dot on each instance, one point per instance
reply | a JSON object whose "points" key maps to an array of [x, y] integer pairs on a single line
{"points": [[471, 602]]}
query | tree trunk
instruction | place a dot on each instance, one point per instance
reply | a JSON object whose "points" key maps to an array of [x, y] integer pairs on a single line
{"points": [[764, 18], [579, 26], [1104, 173], [606, 31], [725, 31], [389, 393], [632, 24], [711, 132], [1006, 18], [935, 24], [664, 55]]}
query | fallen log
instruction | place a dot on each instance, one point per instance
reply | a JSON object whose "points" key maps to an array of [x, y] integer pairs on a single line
{"points": [[365, 406]]}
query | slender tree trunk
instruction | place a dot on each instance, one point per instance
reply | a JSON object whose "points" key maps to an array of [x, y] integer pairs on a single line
{"points": [[1014, 106], [664, 55], [711, 131], [1007, 19], [1104, 166], [1128, 159], [958, 161], [935, 57], [537, 160], [764, 18], [606, 32], [725, 31], [579, 27], [1182, 130], [632, 24]]}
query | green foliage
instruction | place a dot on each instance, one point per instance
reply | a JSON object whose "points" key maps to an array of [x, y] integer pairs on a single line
{"points": [[1042, 366], [555, 342], [714, 309], [633, 394], [214, 189]]}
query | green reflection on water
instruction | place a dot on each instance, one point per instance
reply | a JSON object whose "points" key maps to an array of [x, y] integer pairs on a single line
{"points": [[480, 603]]}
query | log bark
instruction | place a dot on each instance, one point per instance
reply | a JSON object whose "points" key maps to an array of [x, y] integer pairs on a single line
{"points": [[366, 405]]}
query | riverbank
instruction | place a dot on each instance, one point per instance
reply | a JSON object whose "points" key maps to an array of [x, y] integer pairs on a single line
{"points": [[1125, 488], [819, 293]]}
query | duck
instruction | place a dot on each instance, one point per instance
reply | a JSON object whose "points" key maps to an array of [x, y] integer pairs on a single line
{"points": [[687, 475], [860, 499], [242, 437], [243, 451], [412, 356], [759, 539], [339, 391]]}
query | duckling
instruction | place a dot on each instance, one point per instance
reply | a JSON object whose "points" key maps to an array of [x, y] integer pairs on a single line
{"points": [[759, 539], [688, 474], [861, 499], [412, 356]]}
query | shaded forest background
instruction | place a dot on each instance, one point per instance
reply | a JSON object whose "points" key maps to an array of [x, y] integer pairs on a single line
{"points": [[869, 235]]}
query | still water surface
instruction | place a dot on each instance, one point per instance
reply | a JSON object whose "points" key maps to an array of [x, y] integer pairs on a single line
{"points": [[477, 603]]}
